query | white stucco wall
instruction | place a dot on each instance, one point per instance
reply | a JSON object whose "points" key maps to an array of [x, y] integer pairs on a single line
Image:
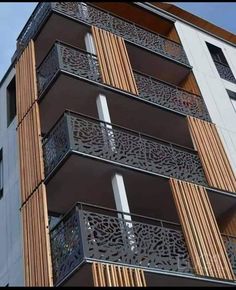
{"points": [[11, 263], [213, 88]]}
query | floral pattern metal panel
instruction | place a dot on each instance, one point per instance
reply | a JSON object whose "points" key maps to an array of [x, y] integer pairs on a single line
{"points": [[171, 97], [66, 247], [230, 245], [129, 31], [85, 65], [56, 145], [225, 72], [133, 149], [114, 239]]}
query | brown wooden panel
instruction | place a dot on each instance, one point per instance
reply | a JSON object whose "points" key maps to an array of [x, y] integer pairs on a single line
{"points": [[202, 23], [113, 275], [227, 222], [37, 257], [114, 60], [173, 35], [202, 235], [218, 170], [36, 247], [190, 84]]}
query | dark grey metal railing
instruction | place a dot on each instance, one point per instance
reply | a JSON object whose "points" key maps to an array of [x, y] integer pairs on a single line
{"points": [[171, 97], [85, 65], [230, 245], [90, 15], [224, 71], [95, 233], [88, 136]]}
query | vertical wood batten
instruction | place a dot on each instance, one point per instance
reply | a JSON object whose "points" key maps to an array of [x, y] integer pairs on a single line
{"points": [[216, 165], [114, 60], [113, 275], [201, 232], [37, 256]]}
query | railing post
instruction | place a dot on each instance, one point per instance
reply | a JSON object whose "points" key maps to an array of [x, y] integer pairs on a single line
{"points": [[68, 120], [82, 225]]}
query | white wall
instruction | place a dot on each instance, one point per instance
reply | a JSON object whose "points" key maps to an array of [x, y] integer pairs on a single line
{"points": [[11, 263], [213, 88]]}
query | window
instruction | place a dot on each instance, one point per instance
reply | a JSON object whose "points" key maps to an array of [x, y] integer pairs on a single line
{"points": [[11, 101], [217, 53], [221, 63], [1, 174], [232, 96]]}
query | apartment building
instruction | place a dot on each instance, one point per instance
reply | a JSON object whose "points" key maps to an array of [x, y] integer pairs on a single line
{"points": [[118, 149]]}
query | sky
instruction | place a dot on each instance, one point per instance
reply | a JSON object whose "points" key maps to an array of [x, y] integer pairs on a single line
{"points": [[13, 17]]}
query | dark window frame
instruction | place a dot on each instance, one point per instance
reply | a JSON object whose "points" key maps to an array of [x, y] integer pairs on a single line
{"points": [[11, 101], [217, 53]]}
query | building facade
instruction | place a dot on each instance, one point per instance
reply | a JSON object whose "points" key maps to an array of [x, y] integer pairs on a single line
{"points": [[118, 149]]}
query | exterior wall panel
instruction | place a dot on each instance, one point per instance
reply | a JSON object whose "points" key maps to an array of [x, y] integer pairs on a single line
{"points": [[114, 60], [33, 193], [215, 162], [203, 238]]}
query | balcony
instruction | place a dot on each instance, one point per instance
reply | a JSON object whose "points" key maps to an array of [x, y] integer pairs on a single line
{"points": [[89, 15], [90, 137], [89, 233], [76, 62], [224, 71]]}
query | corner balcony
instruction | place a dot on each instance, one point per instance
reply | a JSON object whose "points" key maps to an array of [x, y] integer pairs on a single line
{"points": [[89, 15], [71, 78], [89, 233], [83, 135]]}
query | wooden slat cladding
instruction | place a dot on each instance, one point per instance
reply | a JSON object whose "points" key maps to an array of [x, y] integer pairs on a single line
{"points": [[114, 60], [113, 275], [190, 84], [35, 228], [202, 235], [37, 256], [25, 81], [30, 153], [218, 170]]}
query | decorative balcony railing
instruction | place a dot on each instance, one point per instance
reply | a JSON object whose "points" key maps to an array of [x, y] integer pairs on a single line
{"points": [[94, 233], [225, 71], [83, 64], [90, 15], [108, 142], [230, 245]]}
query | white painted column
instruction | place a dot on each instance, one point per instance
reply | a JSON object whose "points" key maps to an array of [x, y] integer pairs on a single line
{"points": [[120, 194], [89, 43], [104, 115], [102, 107], [117, 180]]}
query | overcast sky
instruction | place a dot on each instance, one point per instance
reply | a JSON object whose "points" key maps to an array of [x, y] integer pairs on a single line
{"points": [[13, 17]]}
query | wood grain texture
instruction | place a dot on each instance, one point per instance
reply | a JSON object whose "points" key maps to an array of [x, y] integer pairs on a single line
{"points": [[201, 232], [113, 275], [37, 256], [114, 61], [173, 35], [216, 165], [190, 84]]}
